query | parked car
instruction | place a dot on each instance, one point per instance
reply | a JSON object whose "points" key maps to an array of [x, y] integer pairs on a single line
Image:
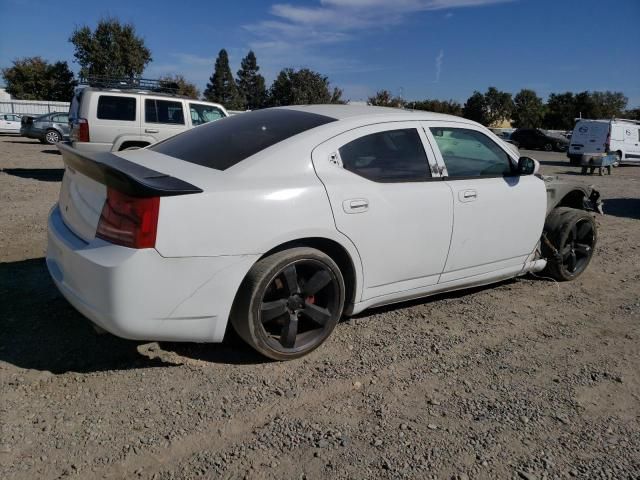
{"points": [[9, 123], [50, 128], [114, 119], [538, 139], [618, 136], [281, 220]]}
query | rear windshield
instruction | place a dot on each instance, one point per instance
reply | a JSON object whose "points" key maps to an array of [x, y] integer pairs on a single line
{"points": [[228, 141]]}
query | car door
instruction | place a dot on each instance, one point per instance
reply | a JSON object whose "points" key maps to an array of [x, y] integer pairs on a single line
{"points": [[61, 123], [498, 215], [10, 123], [163, 118], [632, 143], [387, 198]]}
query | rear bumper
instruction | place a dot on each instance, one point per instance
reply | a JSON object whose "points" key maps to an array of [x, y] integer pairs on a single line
{"points": [[92, 147], [140, 295]]}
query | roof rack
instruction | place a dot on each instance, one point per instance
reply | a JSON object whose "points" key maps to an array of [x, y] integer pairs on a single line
{"points": [[129, 83], [637, 122], [613, 119]]}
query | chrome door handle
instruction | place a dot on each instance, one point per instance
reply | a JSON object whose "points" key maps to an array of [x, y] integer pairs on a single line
{"points": [[151, 130], [356, 205], [467, 195]]}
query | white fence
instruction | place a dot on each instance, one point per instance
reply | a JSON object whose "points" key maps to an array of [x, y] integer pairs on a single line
{"points": [[32, 107]]}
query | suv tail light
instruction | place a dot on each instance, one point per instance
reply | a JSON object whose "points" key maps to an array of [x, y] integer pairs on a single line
{"points": [[607, 142], [80, 131], [129, 221]]}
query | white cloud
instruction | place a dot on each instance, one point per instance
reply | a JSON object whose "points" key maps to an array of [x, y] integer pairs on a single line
{"points": [[439, 60]]}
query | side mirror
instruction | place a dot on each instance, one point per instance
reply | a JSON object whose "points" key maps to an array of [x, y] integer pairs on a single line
{"points": [[527, 166]]}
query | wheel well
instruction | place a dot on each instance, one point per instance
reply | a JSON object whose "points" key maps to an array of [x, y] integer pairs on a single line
{"points": [[132, 144], [337, 253], [573, 199]]}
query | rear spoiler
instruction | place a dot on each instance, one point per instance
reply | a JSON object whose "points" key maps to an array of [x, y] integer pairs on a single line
{"points": [[122, 175]]}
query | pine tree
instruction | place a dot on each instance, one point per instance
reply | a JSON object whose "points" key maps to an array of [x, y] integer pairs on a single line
{"points": [[250, 83], [222, 87]]}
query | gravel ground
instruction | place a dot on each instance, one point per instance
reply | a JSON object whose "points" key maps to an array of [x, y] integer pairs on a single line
{"points": [[528, 379]]}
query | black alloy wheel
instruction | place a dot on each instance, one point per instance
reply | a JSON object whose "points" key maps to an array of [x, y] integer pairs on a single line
{"points": [[571, 239], [296, 300]]}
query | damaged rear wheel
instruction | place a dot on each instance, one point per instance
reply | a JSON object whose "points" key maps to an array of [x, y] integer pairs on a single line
{"points": [[571, 236]]}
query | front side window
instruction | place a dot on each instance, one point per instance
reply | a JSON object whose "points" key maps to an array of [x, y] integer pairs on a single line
{"points": [[468, 153], [112, 107], [163, 111], [204, 113], [390, 156]]}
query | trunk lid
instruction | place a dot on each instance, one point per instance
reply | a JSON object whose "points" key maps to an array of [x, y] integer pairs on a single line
{"points": [[88, 176]]}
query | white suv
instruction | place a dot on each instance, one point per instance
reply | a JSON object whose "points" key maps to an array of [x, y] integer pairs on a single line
{"points": [[118, 119]]}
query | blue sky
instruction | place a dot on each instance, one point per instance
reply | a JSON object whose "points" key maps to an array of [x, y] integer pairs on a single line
{"points": [[418, 48]]}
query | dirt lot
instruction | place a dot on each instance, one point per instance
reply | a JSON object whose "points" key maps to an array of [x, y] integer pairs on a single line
{"points": [[528, 379]]}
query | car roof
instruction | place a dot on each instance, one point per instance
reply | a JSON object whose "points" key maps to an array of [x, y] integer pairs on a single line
{"points": [[342, 112], [142, 91]]}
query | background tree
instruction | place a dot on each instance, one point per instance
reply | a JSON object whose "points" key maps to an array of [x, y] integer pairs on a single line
{"points": [[180, 85], [633, 114], [561, 111], [222, 87], [609, 104], [450, 107], [112, 49], [250, 83], [384, 98], [302, 87], [528, 111], [33, 78], [498, 105], [475, 108]]}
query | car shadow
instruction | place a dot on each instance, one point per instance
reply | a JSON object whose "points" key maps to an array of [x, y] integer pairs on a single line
{"points": [[553, 163], [42, 174], [42, 331], [29, 142], [52, 151], [622, 207]]}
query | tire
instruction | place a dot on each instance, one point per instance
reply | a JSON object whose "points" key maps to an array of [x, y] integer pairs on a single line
{"points": [[274, 312], [573, 235], [52, 137], [548, 147], [618, 159]]}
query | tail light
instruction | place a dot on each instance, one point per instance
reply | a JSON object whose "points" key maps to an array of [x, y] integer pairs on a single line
{"points": [[80, 131], [129, 221], [607, 142]]}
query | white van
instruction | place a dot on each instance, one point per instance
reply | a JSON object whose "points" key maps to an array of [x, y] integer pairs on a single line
{"points": [[113, 119], [617, 135]]}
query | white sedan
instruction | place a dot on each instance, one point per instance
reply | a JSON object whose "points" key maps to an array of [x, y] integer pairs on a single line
{"points": [[282, 220], [10, 122]]}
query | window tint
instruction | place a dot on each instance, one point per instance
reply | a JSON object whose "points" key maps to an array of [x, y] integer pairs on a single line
{"points": [[390, 156], [61, 119], [204, 113], [163, 111], [111, 107], [228, 141], [468, 153]]}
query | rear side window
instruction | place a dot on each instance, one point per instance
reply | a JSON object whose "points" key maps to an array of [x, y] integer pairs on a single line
{"points": [[163, 111], [112, 107], [228, 141], [468, 153], [391, 156], [201, 113]]}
